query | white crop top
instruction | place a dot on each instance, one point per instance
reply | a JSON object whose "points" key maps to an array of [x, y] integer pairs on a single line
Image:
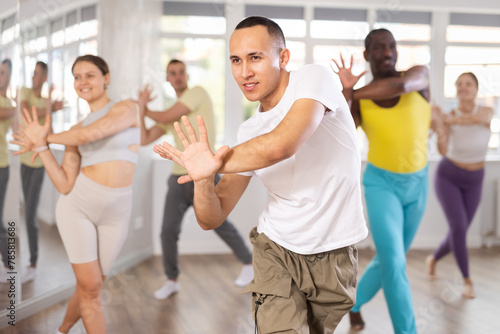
{"points": [[111, 148], [468, 143]]}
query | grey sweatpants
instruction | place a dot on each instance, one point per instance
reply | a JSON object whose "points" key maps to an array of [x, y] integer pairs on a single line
{"points": [[179, 198], [31, 179], [4, 179]]}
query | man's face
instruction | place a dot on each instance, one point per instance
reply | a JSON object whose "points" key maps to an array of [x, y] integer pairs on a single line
{"points": [[177, 76], [39, 77], [255, 63], [4, 76], [382, 54]]}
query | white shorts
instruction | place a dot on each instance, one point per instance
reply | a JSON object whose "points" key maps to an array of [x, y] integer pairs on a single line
{"points": [[93, 221]]}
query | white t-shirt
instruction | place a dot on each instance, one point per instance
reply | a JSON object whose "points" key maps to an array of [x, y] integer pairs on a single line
{"points": [[315, 195]]}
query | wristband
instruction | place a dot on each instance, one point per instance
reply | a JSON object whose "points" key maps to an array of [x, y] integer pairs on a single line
{"points": [[41, 148]]}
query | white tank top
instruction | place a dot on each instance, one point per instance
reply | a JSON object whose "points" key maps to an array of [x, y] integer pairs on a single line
{"points": [[114, 147], [468, 143]]}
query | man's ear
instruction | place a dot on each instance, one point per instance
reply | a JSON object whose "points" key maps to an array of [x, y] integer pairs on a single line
{"points": [[284, 58], [365, 55]]}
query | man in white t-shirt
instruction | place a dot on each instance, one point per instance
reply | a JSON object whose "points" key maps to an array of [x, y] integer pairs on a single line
{"points": [[302, 144]]}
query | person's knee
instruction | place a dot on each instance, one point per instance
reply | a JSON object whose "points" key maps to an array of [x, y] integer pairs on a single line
{"points": [[458, 232], [393, 266], [170, 232], [90, 288]]}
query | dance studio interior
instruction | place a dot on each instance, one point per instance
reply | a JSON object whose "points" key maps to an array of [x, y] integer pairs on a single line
{"points": [[137, 39]]}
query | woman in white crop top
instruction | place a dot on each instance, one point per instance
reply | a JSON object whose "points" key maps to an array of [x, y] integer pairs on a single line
{"points": [[463, 137], [95, 179]]}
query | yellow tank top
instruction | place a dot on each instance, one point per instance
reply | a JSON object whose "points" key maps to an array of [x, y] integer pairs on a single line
{"points": [[398, 135]]}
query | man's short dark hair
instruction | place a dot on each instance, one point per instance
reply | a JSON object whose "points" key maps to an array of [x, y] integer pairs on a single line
{"points": [[273, 29], [43, 66], [175, 61], [371, 34]]}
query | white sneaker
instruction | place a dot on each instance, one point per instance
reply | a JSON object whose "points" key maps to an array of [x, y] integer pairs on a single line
{"points": [[168, 289], [29, 275], [246, 276]]}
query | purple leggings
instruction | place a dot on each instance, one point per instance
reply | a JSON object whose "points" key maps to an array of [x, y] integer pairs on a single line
{"points": [[459, 192]]}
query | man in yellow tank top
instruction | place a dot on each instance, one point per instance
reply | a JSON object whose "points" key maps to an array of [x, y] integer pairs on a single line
{"points": [[394, 112]]}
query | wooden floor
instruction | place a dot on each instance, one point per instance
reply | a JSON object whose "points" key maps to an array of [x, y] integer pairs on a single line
{"points": [[209, 303]]}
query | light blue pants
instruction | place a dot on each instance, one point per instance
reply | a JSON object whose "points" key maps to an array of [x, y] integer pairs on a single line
{"points": [[395, 204]]}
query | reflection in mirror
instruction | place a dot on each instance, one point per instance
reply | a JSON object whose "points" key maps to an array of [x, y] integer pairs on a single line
{"points": [[51, 41], [9, 166], [56, 35]]}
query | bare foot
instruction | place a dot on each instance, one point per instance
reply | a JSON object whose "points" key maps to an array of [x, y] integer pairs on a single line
{"points": [[357, 322], [430, 261], [468, 291]]}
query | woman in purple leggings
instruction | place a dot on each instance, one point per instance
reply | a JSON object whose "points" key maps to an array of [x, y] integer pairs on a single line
{"points": [[463, 136]]}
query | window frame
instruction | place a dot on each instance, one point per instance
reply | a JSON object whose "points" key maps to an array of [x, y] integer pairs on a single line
{"points": [[63, 119], [473, 20]]}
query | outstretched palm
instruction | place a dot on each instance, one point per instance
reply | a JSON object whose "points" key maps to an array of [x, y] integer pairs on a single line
{"points": [[198, 159], [347, 79], [31, 133]]}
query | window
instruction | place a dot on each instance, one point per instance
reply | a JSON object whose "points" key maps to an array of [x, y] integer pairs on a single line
{"points": [[339, 23], [193, 18], [72, 31], [342, 31], [56, 33], [290, 19], [59, 43], [89, 25], [191, 24], [473, 45], [316, 34], [412, 31], [195, 34], [9, 29], [473, 28]]}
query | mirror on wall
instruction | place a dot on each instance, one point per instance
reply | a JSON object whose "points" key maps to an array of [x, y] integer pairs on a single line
{"points": [[51, 38], [43, 46], [10, 229]]}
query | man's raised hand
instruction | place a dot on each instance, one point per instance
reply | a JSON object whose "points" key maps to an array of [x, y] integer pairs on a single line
{"points": [[344, 72], [197, 158]]}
